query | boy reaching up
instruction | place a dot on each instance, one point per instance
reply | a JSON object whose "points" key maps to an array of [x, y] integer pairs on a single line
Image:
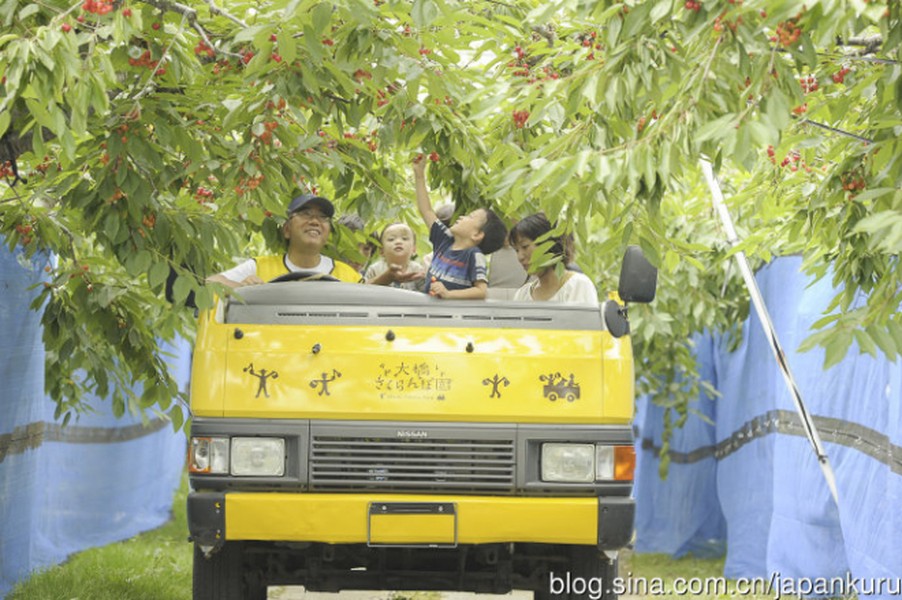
{"points": [[458, 268]]}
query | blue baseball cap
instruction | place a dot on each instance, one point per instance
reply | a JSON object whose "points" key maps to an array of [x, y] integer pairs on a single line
{"points": [[311, 200]]}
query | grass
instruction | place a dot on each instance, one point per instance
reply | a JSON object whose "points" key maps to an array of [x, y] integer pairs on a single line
{"points": [[152, 566], [157, 566]]}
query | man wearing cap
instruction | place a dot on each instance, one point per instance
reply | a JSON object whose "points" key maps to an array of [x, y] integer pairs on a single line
{"points": [[306, 232]]}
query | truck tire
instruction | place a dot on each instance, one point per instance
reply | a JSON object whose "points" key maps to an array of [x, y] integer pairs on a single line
{"points": [[589, 577], [593, 565], [223, 575]]}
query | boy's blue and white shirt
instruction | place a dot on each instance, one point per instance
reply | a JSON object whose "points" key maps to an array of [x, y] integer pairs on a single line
{"points": [[457, 269]]}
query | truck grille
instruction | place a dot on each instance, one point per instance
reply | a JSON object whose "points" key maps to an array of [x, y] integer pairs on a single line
{"points": [[478, 465]]}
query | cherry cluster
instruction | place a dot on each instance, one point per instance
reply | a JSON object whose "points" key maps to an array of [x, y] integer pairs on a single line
{"points": [[145, 61], [788, 33], [269, 127], [693, 5], [793, 160], [203, 48], [840, 76], [117, 196], [809, 84], [249, 183], [852, 182], [98, 7], [203, 195], [44, 166], [383, 95], [6, 169], [25, 232], [520, 118], [720, 22]]}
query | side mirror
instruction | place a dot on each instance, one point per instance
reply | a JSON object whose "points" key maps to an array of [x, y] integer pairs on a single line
{"points": [[638, 282], [638, 278]]}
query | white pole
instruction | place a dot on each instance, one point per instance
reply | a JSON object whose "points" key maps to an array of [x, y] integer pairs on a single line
{"points": [[769, 331]]}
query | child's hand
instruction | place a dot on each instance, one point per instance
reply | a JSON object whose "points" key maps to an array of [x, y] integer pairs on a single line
{"points": [[438, 290], [398, 274], [419, 166]]}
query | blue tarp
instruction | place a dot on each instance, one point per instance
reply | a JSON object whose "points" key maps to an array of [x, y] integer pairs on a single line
{"points": [[65, 489], [749, 479]]}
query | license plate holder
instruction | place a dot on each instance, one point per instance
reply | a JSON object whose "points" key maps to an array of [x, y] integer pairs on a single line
{"points": [[412, 524]]}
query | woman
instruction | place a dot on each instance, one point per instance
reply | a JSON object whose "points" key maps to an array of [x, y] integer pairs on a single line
{"points": [[552, 281]]}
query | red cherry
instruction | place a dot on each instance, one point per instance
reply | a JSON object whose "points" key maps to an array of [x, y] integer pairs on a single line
{"points": [[66, 27]]}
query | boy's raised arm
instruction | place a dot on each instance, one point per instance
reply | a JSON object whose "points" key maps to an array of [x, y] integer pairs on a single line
{"points": [[423, 203]]}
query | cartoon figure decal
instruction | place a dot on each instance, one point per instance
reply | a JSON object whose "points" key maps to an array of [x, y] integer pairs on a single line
{"points": [[495, 382], [324, 381], [558, 386], [263, 375]]}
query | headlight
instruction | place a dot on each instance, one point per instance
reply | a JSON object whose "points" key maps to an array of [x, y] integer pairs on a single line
{"points": [[209, 455], [572, 463], [257, 456]]}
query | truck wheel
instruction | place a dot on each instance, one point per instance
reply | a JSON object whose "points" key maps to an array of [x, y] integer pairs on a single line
{"points": [[594, 566], [590, 576], [223, 576], [552, 396]]}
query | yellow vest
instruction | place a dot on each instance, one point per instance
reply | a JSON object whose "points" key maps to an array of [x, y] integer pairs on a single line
{"points": [[270, 267]]}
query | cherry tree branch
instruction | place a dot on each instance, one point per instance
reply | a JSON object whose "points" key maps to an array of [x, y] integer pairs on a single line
{"points": [[214, 9]]}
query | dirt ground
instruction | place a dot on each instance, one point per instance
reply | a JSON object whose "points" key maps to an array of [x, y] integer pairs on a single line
{"points": [[299, 593]]}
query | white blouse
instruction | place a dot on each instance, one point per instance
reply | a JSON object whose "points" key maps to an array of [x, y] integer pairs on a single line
{"points": [[577, 289]]}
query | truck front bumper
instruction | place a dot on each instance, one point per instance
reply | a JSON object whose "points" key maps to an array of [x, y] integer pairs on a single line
{"points": [[408, 520]]}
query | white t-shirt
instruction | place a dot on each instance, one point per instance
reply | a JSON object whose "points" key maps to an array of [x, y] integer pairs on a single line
{"points": [[577, 289], [249, 267]]}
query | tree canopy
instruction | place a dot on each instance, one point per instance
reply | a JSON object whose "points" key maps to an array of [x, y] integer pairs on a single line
{"points": [[143, 137]]}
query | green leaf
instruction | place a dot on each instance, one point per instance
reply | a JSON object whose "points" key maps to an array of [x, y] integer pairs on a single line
{"points": [[176, 417], [30, 9], [139, 263], [716, 129], [181, 288], [287, 46], [865, 343], [5, 119], [883, 339], [836, 348], [661, 9], [322, 15], [157, 274], [777, 110], [111, 225], [105, 295]]}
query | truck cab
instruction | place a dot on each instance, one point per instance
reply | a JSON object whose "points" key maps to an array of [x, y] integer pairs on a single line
{"points": [[346, 436]]}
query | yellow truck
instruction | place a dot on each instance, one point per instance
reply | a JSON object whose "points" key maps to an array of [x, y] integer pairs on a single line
{"points": [[361, 437]]}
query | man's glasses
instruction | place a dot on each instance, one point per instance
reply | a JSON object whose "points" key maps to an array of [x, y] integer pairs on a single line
{"points": [[306, 215]]}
